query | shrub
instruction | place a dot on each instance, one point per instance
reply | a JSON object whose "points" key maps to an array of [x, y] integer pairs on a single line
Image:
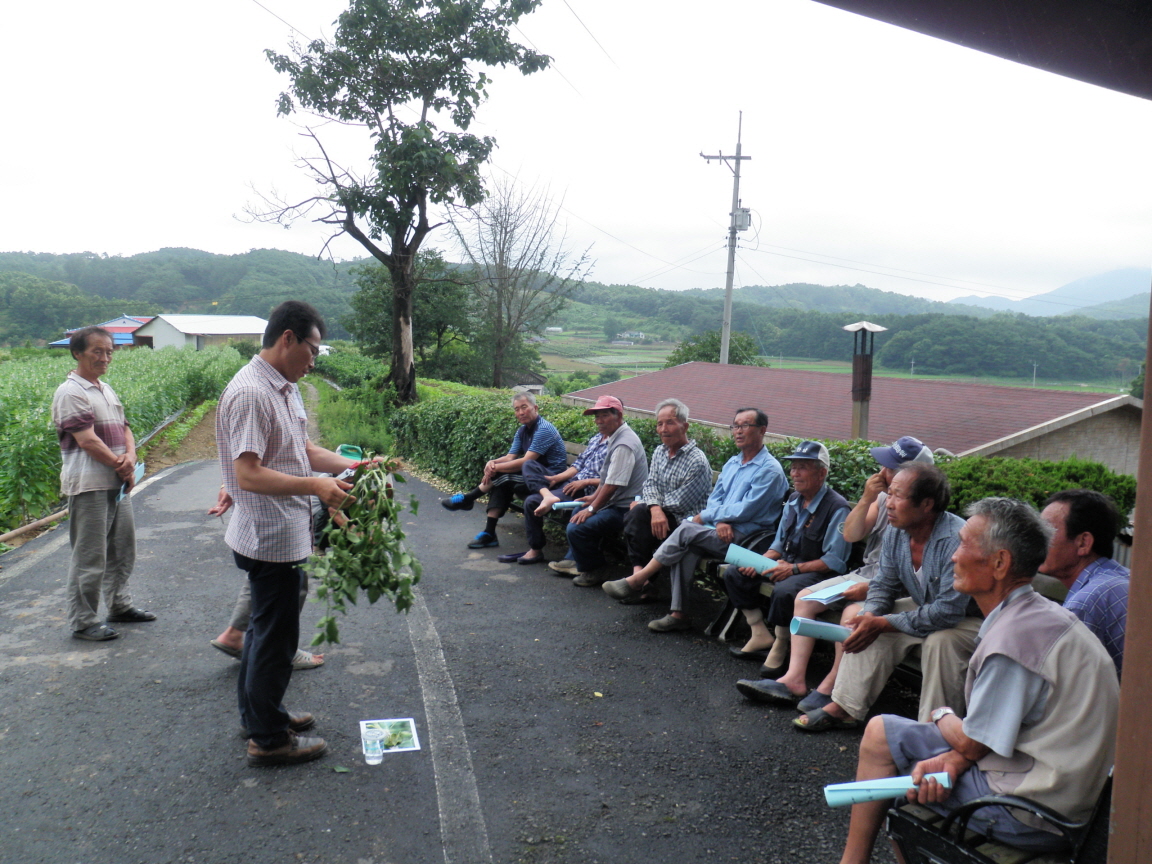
{"points": [[454, 435]]}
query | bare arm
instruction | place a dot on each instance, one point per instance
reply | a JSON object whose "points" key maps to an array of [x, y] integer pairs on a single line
{"points": [[91, 444], [325, 460], [859, 523]]}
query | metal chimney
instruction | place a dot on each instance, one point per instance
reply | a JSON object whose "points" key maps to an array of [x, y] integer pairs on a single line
{"points": [[863, 339]]}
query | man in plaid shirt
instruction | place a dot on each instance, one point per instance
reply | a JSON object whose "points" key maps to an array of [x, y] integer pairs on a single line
{"points": [[678, 484], [1080, 556], [267, 463]]}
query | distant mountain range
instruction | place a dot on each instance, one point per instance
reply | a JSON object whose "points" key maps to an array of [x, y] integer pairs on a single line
{"points": [[1115, 294]]}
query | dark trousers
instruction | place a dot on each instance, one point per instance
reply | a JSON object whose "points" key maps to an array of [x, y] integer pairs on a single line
{"points": [[638, 534], [744, 592], [508, 486], [534, 525], [269, 646], [584, 538]]}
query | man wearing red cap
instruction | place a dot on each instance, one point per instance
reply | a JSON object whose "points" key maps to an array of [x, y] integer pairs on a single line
{"points": [[621, 479]]}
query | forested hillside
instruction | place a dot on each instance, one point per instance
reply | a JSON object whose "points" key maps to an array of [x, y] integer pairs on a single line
{"points": [[175, 280]]}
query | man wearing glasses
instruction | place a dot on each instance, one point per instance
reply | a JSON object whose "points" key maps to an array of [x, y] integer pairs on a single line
{"points": [[747, 498], [267, 463], [99, 460]]}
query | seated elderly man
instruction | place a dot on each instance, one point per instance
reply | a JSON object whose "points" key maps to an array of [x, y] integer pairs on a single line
{"points": [[1080, 555], [809, 547], [1042, 700], [679, 482], [503, 480], [747, 498], [622, 477], [867, 521], [545, 489], [910, 602]]}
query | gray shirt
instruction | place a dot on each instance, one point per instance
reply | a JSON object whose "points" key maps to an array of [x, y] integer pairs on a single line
{"points": [[939, 605], [625, 466]]}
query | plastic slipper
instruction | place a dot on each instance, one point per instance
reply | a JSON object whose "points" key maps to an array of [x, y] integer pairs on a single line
{"points": [[234, 653], [813, 701], [304, 660], [821, 721]]}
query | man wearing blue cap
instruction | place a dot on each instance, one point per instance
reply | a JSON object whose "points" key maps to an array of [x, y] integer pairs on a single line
{"points": [[808, 548]]}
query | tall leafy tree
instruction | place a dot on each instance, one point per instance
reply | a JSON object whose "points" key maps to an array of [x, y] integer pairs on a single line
{"points": [[412, 72]]}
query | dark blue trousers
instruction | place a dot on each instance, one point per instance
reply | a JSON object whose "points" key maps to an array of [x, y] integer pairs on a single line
{"points": [[584, 538], [269, 646]]}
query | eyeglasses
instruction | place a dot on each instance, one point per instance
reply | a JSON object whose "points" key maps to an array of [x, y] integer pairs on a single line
{"points": [[314, 348], [735, 426]]}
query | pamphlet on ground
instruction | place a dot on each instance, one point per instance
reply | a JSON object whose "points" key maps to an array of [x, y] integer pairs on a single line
{"points": [[399, 734]]}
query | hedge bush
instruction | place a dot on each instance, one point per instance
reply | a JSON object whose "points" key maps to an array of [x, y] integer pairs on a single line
{"points": [[454, 435]]}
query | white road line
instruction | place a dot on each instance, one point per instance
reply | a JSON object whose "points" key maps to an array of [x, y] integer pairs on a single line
{"points": [[462, 829]]}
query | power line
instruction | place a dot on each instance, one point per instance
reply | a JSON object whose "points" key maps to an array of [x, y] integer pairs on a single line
{"points": [[281, 20], [593, 35]]}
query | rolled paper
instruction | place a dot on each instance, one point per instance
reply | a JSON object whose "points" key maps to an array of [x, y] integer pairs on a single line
{"points": [[742, 557], [828, 595], [567, 505], [818, 629], [880, 789]]}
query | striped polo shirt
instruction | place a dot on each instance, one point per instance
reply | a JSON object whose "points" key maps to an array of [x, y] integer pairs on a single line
{"points": [[80, 404], [261, 412]]}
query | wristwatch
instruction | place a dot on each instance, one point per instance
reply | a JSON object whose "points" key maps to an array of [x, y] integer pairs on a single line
{"points": [[940, 713]]}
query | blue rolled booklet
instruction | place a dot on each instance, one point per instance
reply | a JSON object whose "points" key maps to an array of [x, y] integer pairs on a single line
{"points": [[880, 789], [567, 505], [138, 475], [831, 594], [742, 557], [818, 629]]}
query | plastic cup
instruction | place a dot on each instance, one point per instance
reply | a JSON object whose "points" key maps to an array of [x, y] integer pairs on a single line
{"points": [[818, 629], [742, 557], [373, 741]]}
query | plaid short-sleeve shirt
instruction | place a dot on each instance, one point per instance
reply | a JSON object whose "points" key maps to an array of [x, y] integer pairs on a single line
{"points": [[261, 412], [81, 404]]}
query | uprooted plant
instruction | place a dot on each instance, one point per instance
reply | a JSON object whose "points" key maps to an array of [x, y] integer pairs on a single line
{"points": [[362, 549]]}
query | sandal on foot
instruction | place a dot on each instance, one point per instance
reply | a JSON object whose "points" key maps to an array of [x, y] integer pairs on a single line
{"points": [[812, 702], [821, 721], [304, 660], [227, 649], [95, 633]]}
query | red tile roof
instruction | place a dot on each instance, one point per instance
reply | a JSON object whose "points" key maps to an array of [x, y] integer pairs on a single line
{"points": [[954, 415]]}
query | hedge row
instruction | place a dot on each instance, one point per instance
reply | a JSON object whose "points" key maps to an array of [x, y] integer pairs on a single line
{"points": [[453, 436]]}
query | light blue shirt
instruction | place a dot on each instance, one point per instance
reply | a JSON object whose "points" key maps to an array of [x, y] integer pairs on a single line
{"points": [[748, 495]]}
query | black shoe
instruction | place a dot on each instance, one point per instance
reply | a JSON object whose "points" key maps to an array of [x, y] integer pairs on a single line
{"points": [[131, 616], [459, 501]]}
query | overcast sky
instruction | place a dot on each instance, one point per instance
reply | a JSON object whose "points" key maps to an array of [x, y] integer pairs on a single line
{"points": [[879, 156]]}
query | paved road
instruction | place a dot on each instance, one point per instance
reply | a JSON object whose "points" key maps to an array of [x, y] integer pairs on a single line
{"points": [[555, 726]]}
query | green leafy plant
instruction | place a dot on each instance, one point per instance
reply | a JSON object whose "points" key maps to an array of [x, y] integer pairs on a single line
{"points": [[363, 550]]}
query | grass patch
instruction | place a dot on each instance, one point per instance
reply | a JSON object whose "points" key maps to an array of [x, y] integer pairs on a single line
{"points": [[348, 417], [175, 434]]}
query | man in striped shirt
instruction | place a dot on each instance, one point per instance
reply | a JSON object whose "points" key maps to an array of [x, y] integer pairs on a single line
{"points": [[99, 460], [536, 440], [267, 463]]}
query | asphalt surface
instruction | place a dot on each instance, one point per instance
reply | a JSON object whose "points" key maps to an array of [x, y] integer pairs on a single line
{"points": [[555, 727]]}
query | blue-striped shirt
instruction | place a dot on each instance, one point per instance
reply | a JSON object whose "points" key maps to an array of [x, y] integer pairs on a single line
{"points": [[1099, 598], [546, 443]]}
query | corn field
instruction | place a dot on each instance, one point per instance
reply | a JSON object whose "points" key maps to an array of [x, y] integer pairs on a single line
{"points": [[151, 384]]}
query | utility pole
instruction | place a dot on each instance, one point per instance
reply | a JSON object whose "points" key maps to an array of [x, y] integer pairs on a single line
{"points": [[739, 222], [1034, 365]]}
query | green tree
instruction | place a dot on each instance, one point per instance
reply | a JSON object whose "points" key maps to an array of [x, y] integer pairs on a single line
{"points": [[705, 347], [1137, 387], [391, 60], [440, 309]]}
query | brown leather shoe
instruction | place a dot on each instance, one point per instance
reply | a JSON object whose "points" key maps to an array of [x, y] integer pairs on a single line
{"points": [[296, 723], [297, 750]]}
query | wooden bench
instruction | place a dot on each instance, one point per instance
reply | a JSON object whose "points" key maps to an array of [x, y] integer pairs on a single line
{"points": [[920, 835]]}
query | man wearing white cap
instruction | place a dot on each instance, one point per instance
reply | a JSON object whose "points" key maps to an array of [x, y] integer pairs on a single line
{"points": [[622, 478]]}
